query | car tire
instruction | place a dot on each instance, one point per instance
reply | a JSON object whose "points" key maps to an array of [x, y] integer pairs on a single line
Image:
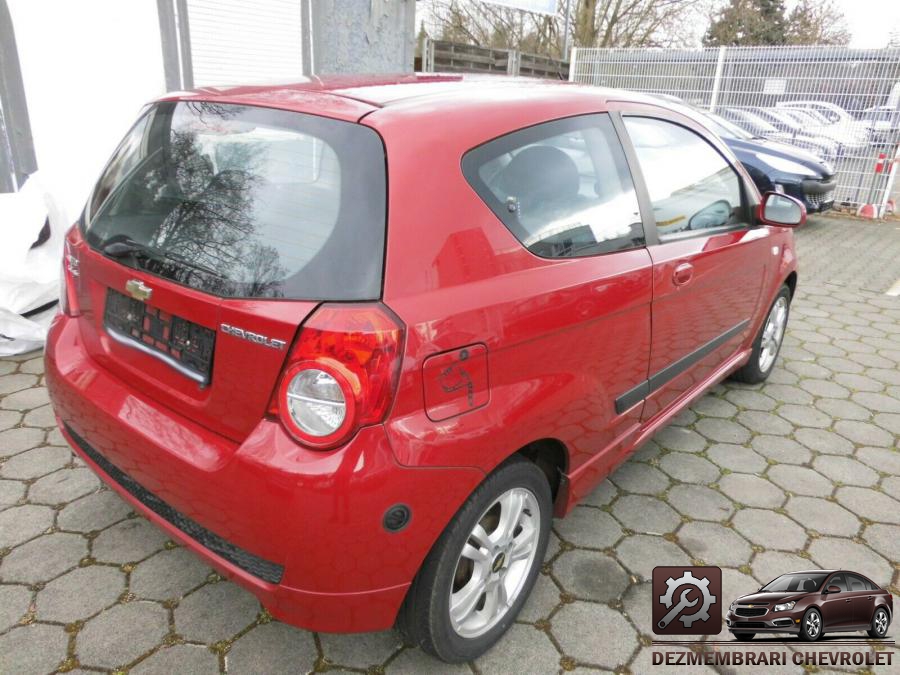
{"points": [[768, 341], [498, 571], [880, 622], [811, 625], [744, 637]]}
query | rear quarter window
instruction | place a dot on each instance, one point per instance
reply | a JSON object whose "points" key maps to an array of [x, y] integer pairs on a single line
{"points": [[241, 201]]}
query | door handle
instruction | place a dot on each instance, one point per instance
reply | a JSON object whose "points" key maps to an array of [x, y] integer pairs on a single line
{"points": [[683, 273], [847, 600]]}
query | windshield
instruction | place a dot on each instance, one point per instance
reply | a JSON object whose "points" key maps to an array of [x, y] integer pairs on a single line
{"points": [[726, 129], [240, 201], [801, 582]]}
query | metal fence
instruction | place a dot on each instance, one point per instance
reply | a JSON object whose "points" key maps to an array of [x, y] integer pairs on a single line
{"points": [[842, 104], [448, 57]]}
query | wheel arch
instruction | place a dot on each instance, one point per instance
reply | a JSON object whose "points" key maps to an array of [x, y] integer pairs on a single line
{"points": [[791, 282], [552, 457]]}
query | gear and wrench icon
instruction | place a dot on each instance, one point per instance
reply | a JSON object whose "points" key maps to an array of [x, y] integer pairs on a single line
{"points": [[689, 579]]}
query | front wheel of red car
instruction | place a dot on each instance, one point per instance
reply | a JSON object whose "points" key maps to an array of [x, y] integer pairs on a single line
{"points": [[811, 625], [480, 572], [768, 342]]}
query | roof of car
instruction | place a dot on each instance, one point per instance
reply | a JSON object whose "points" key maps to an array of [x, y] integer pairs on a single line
{"points": [[355, 96]]}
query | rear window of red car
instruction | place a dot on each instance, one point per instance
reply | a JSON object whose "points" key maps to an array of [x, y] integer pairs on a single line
{"points": [[241, 201]]}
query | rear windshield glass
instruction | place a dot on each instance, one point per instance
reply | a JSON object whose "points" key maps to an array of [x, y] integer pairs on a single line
{"points": [[251, 202]]}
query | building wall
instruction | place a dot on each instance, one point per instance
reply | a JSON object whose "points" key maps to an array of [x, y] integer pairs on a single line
{"points": [[87, 69]]}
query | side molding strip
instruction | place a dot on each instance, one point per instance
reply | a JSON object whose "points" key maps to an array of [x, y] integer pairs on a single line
{"points": [[642, 390]]}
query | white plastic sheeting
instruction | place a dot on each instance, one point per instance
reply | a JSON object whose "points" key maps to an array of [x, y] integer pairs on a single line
{"points": [[29, 277]]}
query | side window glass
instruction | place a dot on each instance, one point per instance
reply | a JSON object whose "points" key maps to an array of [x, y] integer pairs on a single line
{"points": [[691, 185], [562, 188], [838, 580], [856, 583]]}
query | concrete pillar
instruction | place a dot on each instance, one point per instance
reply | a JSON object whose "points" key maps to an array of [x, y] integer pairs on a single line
{"points": [[358, 36]]}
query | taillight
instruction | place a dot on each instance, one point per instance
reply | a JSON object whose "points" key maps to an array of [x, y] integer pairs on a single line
{"points": [[68, 300], [341, 374]]}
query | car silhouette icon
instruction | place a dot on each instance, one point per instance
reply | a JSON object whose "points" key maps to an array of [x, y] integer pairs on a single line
{"points": [[811, 603]]}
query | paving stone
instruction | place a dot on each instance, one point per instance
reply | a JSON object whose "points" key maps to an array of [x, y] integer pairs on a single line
{"points": [[586, 526], [760, 422], [891, 486], [27, 399], [14, 604], [714, 544], [751, 490], [877, 402], [193, 659], [640, 478], [802, 416], [807, 369], [94, 512], [40, 417], [770, 529], [15, 441], [168, 575], [43, 558], [649, 515], [523, 645], [543, 599], [640, 553], [825, 388], [737, 458], [824, 441], [649, 450], [842, 409], [866, 503], [35, 463], [215, 612], [800, 480], [845, 470], [689, 468], [34, 366], [80, 593], [833, 553], [888, 421], [769, 565], [272, 648], [591, 575], [360, 650], [21, 523], [16, 382], [881, 459], [63, 486], [700, 502], [36, 648], [575, 627], [119, 635], [841, 365], [858, 382], [823, 516], [789, 394], [679, 438], [713, 406], [8, 419], [722, 431], [684, 419], [129, 541], [885, 539], [780, 449], [751, 400], [11, 491], [602, 495], [864, 433], [417, 662]]}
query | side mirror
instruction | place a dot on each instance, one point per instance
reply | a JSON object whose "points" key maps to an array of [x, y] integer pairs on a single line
{"points": [[780, 210], [833, 589]]}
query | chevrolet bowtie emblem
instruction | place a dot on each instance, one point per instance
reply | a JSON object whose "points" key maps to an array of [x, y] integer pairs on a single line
{"points": [[138, 290], [750, 606]]}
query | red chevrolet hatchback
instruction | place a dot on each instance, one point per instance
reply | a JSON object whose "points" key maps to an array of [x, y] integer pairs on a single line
{"points": [[356, 343]]}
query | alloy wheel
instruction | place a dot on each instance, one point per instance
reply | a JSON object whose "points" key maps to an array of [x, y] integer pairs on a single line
{"points": [[881, 622], [773, 333], [495, 562], [813, 624]]}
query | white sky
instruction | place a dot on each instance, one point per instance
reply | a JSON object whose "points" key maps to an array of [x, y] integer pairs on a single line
{"points": [[870, 22]]}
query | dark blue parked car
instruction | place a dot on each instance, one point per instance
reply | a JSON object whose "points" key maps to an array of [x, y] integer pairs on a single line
{"points": [[778, 167]]}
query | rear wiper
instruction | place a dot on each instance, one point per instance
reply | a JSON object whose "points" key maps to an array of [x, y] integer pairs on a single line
{"points": [[126, 246]]}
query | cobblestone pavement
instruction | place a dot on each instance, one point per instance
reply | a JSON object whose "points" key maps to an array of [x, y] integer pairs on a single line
{"points": [[801, 472]]}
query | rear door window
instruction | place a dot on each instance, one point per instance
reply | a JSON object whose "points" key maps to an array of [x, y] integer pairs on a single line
{"points": [[241, 201], [562, 188]]}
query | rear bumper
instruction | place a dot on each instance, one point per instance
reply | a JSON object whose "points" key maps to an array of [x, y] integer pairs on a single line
{"points": [[300, 529]]}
